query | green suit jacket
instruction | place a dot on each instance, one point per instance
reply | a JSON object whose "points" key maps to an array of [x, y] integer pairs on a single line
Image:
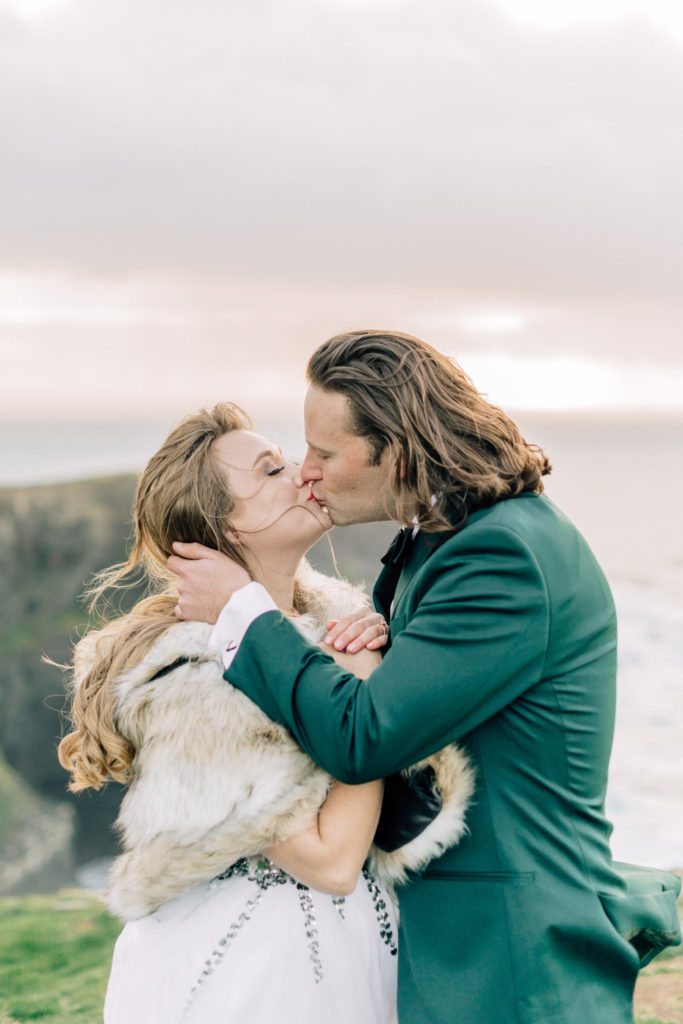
{"points": [[503, 638]]}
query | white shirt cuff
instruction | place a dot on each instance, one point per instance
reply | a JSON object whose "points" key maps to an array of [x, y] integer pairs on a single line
{"points": [[245, 605]]}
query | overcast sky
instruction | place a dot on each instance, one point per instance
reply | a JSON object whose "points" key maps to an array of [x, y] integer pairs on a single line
{"points": [[194, 195]]}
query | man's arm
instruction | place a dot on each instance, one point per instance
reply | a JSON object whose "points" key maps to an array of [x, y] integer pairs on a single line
{"points": [[208, 581], [329, 853], [475, 640]]}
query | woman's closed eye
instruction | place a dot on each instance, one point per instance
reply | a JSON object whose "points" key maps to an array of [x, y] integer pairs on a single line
{"points": [[274, 472]]}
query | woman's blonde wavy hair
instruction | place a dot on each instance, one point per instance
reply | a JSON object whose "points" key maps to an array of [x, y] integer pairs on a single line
{"points": [[445, 437], [182, 494]]}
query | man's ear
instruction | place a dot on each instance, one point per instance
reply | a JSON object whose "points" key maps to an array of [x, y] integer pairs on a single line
{"points": [[399, 461], [394, 461]]}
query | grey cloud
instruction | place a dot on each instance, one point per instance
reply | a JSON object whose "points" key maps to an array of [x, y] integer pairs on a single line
{"points": [[438, 145]]}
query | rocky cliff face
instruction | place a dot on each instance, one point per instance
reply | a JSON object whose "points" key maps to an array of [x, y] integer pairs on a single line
{"points": [[52, 539], [37, 850]]}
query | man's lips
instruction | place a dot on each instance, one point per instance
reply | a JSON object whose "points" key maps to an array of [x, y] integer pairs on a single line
{"points": [[312, 497]]}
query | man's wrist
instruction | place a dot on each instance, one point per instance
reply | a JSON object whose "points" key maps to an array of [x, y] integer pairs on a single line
{"points": [[245, 605]]}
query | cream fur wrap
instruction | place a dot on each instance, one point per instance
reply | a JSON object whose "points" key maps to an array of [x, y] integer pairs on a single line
{"points": [[214, 779]]}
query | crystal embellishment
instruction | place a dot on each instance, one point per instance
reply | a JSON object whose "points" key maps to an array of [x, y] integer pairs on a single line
{"points": [[266, 875], [381, 911]]}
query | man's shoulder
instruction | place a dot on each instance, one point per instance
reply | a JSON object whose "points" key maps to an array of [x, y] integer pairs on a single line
{"points": [[527, 516], [529, 525], [525, 507]]}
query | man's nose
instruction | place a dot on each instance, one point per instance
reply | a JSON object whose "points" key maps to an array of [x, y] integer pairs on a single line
{"points": [[308, 470]]}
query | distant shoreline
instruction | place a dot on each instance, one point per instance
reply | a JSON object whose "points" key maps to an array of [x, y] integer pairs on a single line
{"points": [[37, 452]]}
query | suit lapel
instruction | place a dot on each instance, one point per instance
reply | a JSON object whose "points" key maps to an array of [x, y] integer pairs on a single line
{"points": [[424, 545], [380, 594]]}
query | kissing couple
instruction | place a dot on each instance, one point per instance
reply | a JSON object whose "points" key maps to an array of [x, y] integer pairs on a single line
{"points": [[349, 815]]}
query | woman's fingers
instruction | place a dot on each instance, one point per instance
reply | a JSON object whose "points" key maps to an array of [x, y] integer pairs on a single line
{"points": [[374, 643], [355, 631], [373, 638], [348, 628]]}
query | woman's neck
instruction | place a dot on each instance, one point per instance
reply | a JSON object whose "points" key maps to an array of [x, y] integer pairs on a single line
{"points": [[279, 582]]}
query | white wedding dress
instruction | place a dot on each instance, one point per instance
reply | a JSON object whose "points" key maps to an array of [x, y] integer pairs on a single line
{"points": [[253, 946]]}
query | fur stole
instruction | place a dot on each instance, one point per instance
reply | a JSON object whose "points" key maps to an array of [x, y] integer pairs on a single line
{"points": [[214, 779]]}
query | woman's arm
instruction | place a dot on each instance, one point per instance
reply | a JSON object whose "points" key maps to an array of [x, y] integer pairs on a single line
{"points": [[330, 850]]}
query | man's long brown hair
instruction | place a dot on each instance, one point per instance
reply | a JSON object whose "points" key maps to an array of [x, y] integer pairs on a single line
{"points": [[447, 439]]}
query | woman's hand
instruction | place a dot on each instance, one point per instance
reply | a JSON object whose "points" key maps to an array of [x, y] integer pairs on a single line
{"points": [[358, 630]]}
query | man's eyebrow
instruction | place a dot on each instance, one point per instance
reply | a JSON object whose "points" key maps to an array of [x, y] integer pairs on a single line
{"points": [[318, 448]]}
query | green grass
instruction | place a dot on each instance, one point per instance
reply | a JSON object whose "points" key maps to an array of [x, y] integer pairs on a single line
{"points": [[55, 954], [639, 1020], [659, 991]]}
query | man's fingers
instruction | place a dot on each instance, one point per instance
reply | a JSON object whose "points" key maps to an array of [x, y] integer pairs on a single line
{"points": [[185, 553], [192, 550], [175, 564]]}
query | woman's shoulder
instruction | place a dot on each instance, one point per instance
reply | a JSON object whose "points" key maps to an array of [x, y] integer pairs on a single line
{"points": [[325, 598], [179, 687], [184, 645]]}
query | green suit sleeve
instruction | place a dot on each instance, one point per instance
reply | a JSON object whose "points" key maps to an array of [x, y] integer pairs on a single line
{"points": [[475, 639]]}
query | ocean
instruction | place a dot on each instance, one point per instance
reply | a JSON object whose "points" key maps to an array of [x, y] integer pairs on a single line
{"points": [[620, 480]]}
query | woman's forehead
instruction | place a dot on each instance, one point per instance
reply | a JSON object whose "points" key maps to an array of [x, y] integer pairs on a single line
{"points": [[240, 449]]}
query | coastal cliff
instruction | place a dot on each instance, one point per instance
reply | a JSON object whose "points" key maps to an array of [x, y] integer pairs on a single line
{"points": [[36, 838], [52, 539]]}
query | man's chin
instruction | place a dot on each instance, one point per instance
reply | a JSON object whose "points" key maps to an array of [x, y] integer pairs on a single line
{"points": [[348, 517], [342, 519]]}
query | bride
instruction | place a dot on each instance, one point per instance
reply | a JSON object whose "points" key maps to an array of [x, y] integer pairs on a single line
{"points": [[244, 881]]}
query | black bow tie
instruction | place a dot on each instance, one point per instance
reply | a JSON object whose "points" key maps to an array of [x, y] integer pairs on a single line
{"points": [[385, 587], [400, 546]]}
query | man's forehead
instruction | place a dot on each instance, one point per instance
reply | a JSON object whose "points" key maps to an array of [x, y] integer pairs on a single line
{"points": [[327, 417]]}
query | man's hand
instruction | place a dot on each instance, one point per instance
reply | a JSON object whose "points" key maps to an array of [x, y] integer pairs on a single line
{"points": [[207, 580]]}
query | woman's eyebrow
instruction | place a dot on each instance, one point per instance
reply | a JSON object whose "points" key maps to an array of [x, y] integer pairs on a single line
{"points": [[264, 454]]}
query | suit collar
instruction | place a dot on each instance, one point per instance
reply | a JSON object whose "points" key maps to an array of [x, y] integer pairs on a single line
{"points": [[424, 545]]}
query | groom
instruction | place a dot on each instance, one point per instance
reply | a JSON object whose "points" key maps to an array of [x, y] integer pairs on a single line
{"points": [[503, 638]]}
